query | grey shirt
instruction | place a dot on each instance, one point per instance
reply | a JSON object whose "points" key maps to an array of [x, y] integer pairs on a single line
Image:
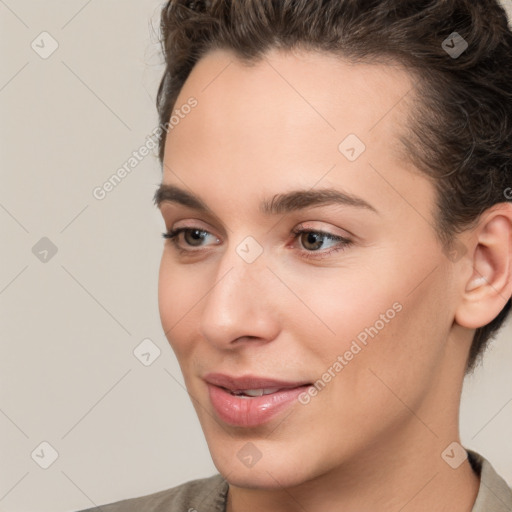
{"points": [[209, 494]]}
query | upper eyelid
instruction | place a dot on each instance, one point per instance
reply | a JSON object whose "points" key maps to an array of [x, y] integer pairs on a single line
{"points": [[299, 229], [327, 231], [181, 209], [194, 224]]}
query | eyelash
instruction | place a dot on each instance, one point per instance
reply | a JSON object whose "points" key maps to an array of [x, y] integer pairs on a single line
{"points": [[344, 243]]}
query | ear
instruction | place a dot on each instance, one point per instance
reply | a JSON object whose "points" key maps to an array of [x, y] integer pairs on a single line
{"points": [[489, 287]]}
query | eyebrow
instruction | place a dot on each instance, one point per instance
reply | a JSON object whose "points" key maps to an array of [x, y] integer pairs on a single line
{"points": [[278, 204]]}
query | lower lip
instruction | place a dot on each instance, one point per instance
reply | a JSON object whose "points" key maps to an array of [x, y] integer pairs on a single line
{"points": [[254, 411]]}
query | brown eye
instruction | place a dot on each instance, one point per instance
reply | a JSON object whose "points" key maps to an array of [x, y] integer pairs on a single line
{"points": [[194, 237], [312, 240]]}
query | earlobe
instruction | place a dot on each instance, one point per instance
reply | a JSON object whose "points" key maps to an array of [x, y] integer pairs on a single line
{"points": [[489, 287]]}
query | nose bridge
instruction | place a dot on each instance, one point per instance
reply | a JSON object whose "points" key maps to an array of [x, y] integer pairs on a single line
{"points": [[237, 303]]}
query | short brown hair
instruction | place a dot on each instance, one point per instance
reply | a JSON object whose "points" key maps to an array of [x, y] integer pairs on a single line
{"points": [[460, 130]]}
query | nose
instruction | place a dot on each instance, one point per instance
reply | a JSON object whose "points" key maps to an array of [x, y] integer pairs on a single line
{"points": [[241, 304]]}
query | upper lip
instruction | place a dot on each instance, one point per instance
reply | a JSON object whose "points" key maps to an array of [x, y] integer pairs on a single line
{"points": [[249, 382]]}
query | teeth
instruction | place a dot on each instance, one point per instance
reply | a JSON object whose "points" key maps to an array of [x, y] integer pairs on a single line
{"points": [[255, 392]]}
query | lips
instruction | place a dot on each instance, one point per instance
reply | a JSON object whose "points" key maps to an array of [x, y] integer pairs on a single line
{"points": [[249, 382], [250, 401]]}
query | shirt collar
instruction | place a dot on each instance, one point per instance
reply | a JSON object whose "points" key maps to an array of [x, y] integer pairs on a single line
{"points": [[494, 495]]}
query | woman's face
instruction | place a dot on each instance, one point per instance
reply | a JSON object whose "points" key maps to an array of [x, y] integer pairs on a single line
{"points": [[250, 303]]}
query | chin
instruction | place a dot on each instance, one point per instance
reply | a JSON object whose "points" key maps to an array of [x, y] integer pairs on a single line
{"points": [[260, 464], [264, 477]]}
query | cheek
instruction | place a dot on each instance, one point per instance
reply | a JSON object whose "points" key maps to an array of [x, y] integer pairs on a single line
{"points": [[341, 305], [380, 320], [177, 294], [399, 354], [389, 294], [166, 294]]}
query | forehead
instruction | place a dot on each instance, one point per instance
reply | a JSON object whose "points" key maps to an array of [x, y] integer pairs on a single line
{"points": [[284, 120], [324, 81], [300, 95]]}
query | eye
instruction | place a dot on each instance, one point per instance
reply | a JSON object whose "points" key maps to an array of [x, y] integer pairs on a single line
{"points": [[314, 240], [193, 237]]}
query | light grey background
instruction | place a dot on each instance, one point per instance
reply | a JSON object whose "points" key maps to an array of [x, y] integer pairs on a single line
{"points": [[69, 325]]}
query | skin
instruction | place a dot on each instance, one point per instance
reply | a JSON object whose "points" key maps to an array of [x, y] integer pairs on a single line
{"points": [[372, 439]]}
